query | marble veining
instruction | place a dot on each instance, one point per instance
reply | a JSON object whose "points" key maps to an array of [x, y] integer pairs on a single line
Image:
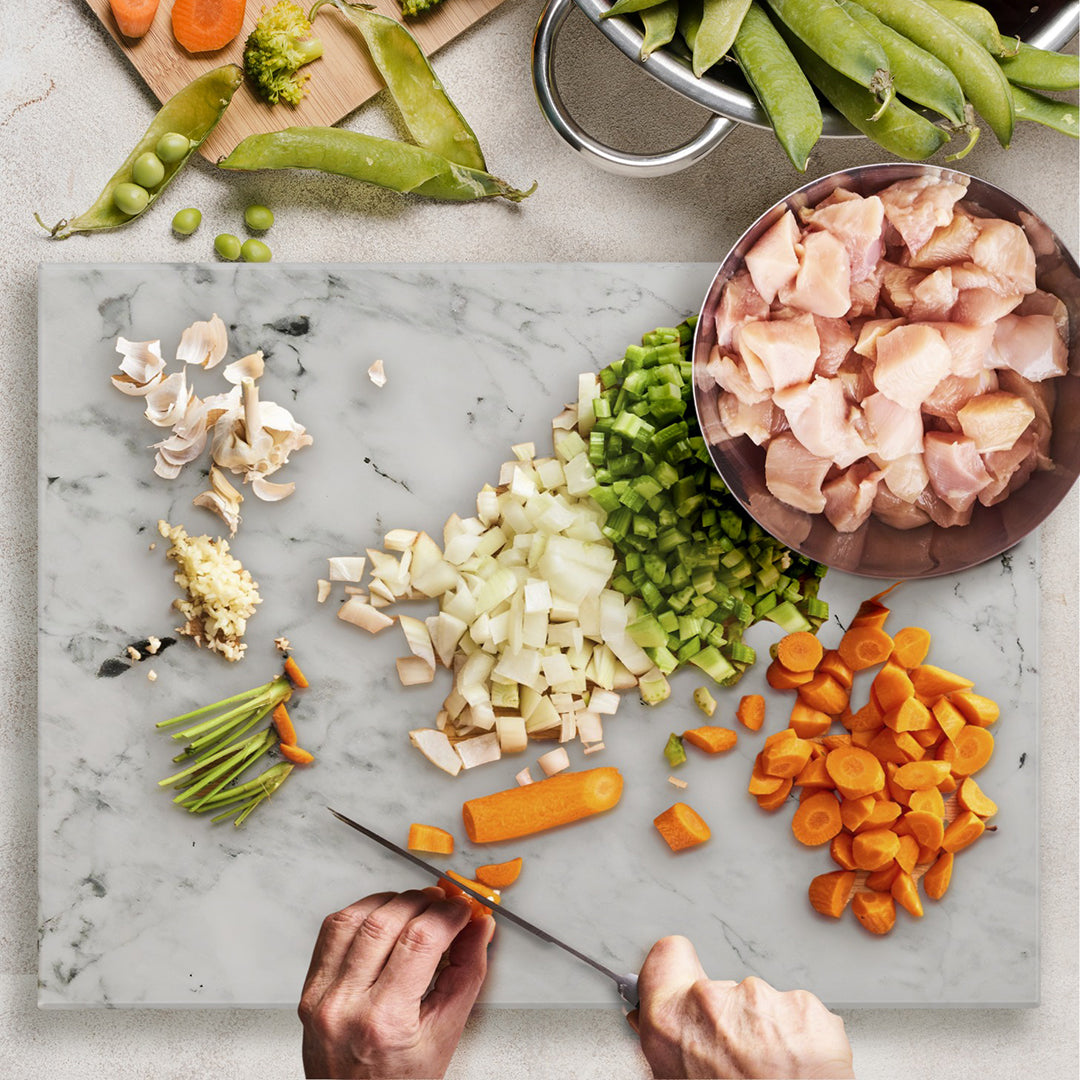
{"points": [[142, 905]]}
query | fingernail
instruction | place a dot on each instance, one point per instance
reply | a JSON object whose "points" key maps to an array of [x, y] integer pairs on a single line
{"points": [[490, 931]]}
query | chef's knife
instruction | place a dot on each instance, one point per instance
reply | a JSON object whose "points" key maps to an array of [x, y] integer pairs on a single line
{"points": [[627, 984]]}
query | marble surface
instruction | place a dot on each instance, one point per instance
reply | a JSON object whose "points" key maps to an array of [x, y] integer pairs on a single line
{"points": [[142, 904], [70, 106]]}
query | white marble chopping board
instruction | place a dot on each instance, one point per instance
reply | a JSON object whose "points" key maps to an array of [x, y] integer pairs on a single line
{"points": [[144, 905]]}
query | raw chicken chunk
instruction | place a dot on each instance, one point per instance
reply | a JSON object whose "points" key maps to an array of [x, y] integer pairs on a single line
{"points": [[849, 498], [871, 330], [729, 373], [739, 302], [983, 305], [941, 513], [1044, 303], [896, 512], [859, 224], [1010, 469], [820, 418], [948, 244], [772, 261], [866, 294], [896, 431], [823, 283], [1031, 346], [995, 421], [906, 477], [969, 346], [933, 297], [950, 395], [759, 421], [911, 361], [898, 287], [794, 475], [836, 339], [957, 472], [1002, 249], [779, 353], [916, 207], [1042, 396]]}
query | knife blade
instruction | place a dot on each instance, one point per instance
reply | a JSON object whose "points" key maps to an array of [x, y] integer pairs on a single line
{"points": [[626, 984]]}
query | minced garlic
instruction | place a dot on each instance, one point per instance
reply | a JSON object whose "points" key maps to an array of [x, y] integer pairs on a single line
{"points": [[221, 593]]}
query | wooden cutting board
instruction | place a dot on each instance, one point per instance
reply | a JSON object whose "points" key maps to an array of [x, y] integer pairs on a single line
{"points": [[341, 80]]}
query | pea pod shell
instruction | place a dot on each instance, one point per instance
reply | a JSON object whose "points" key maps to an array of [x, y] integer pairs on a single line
{"points": [[690, 13], [193, 111], [1039, 69], [386, 163], [660, 23], [720, 22], [977, 23], [627, 7], [1050, 112], [432, 118]]}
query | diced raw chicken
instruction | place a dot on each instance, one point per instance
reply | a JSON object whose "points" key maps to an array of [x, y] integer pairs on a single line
{"points": [[953, 392], [896, 512], [856, 374], [779, 354], [995, 421], [837, 340], [906, 477], [1042, 396], [898, 287], [772, 261], [849, 498], [969, 346], [865, 294], [794, 475], [896, 431], [1010, 469], [1044, 303], [982, 306], [947, 244], [729, 373], [871, 330], [916, 207], [823, 283], [940, 512], [957, 473], [739, 302], [859, 225], [911, 361], [837, 195], [933, 297], [1003, 250], [760, 421], [820, 418], [1031, 346]]}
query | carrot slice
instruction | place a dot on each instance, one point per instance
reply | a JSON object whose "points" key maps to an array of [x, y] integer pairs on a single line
{"points": [[781, 678], [817, 820], [829, 892], [681, 826], [936, 879], [910, 715], [970, 797], [855, 772], [907, 857], [713, 740], [294, 674], [920, 775], [963, 831], [133, 17], [969, 751], [814, 774], [832, 664], [295, 754], [910, 646], [884, 747], [450, 887], [875, 910], [853, 812], [808, 723], [949, 718], [906, 893], [760, 782], [864, 646], [774, 800], [928, 829], [881, 880], [928, 737], [932, 681], [784, 754], [207, 25], [874, 848], [868, 718], [840, 850], [831, 742], [928, 800], [499, 875], [825, 694], [800, 651], [430, 838], [976, 709], [284, 725], [897, 792], [751, 711], [884, 812]]}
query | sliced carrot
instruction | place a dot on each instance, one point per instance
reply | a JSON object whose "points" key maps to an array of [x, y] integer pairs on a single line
{"points": [[949, 718], [906, 744], [853, 812], [862, 739], [875, 910], [784, 754], [874, 848], [751, 711], [499, 875], [817, 819], [871, 614], [881, 880], [897, 792], [840, 850], [760, 782], [134, 17], [884, 747], [450, 887], [928, 800], [920, 775], [976, 709], [800, 651], [948, 785], [928, 829], [681, 826], [774, 800], [294, 674], [970, 797], [713, 740], [814, 774], [825, 694], [832, 664], [932, 681], [928, 737], [963, 831], [969, 751], [808, 723], [883, 813], [284, 725], [430, 838], [909, 715], [829, 892], [207, 25], [864, 646], [855, 772], [910, 646], [831, 742], [781, 678], [295, 754], [817, 750], [907, 857], [868, 718], [936, 879], [927, 855], [906, 893]]}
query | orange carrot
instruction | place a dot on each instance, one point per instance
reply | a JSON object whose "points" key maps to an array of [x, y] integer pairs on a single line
{"points": [[896, 791], [294, 674], [206, 25], [751, 711], [283, 723], [831, 742], [971, 797], [963, 831], [133, 17], [910, 646], [936, 879], [829, 892], [884, 812], [808, 723], [855, 772], [760, 781], [875, 910], [817, 820], [781, 678], [969, 751], [864, 646], [931, 681], [976, 709], [295, 754], [949, 718], [825, 694], [800, 651], [907, 856], [927, 828], [920, 775], [713, 740], [872, 849], [832, 664], [910, 715], [881, 880], [891, 686], [451, 889], [775, 799], [928, 737], [948, 785], [886, 749], [499, 875], [558, 800], [815, 775], [906, 893], [681, 826], [868, 718], [930, 800], [784, 754], [854, 812], [430, 838], [840, 850]]}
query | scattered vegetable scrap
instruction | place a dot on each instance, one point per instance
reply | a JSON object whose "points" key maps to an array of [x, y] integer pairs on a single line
{"points": [[682, 827], [751, 711], [430, 838], [704, 700], [713, 740], [500, 875], [674, 751], [893, 795], [377, 374]]}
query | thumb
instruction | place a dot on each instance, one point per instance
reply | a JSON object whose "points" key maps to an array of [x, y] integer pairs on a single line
{"points": [[458, 985], [671, 967]]}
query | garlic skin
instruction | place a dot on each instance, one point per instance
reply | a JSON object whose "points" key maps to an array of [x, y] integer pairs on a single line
{"points": [[204, 343]]}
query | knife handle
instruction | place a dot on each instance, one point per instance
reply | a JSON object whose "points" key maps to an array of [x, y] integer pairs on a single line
{"points": [[627, 985]]}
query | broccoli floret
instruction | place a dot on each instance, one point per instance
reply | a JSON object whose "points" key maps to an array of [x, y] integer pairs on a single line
{"points": [[276, 49], [412, 9]]}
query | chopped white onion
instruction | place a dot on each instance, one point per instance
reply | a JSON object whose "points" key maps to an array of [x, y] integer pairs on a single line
{"points": [[554, 761]]}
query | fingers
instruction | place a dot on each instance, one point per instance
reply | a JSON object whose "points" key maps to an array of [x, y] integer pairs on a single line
{"points": [[671, 967], [458, 985], [632, 1020]]}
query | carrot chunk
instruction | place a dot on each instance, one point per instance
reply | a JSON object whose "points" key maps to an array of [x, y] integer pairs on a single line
{"points": [[800, 651], [874, 848], [808, 723], [294, 674], [760, 781], [855, 772], [949, 718], [681, 827], [969, 751], [825, 694], [840, 850], [207, 25], [881, 880], [751, 711], [932, 681], [829, 892], [832, 664], [928, 829], [814, 774], [975, 708], [430, 838], [782, 678], [970, 796], [295, 754], [854, 812], [713, 740], [775, 799], [936, 879], [910, 715], [929, 800], [499, 875], [920, 775], [884, 812], [284, 725], [875, 910], [817, 819], [864, 646], [784, 754], [910, 646], [906, 893], [133, 17], [907, 856], [451, 889], [963, 831]]}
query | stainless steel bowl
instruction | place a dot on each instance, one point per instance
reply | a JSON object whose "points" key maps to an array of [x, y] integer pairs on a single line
{"points": [[722, 91], [877, 550]]}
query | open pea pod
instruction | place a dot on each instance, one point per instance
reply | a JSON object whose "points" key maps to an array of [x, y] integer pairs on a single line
{"points": [[432, 118], [193, 112]]}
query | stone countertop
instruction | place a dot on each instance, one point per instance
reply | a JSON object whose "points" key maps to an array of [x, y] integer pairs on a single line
{"points": [[70, 106]]}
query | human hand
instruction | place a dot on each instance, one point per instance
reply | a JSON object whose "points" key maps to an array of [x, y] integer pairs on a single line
{"points": [[366, 1007], [693, 1027]]}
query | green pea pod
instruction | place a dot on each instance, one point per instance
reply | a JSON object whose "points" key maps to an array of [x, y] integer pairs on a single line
{"points": [[432, 118], [982, 81], [1059, 115], [720, 22], [900, 130], [978, 23], [627, 7], [690, 12], [779, 84], [1039, 69], [917, 75], [840, 41], [387, 163], [660, 23], [194, 112]]}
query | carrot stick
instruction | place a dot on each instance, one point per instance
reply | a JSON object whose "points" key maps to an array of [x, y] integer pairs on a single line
{"points": [[800, 651], [864, 646], [682, 827], [910, 646], [829, 892], [875, 910], [295, 754], [283, 722], [751, 711], [499, 875], [207, 25], [294, 674], [817, 820], [430, 838], [133, 17], [713, 740], [558, 800]]}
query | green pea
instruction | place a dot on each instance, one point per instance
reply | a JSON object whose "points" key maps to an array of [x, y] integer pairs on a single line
{"points": [[186, 221], [228, 246], [148, 171], [131, 199], [255, 251], [259, 218], [172, 146]]}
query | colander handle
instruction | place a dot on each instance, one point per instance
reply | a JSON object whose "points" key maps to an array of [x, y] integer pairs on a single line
{"points": [[605, 157]]}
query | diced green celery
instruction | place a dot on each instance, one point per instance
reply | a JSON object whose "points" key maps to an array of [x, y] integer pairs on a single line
{"points": [[704, 700], [647, 632], [663, 658], [654, 687], [688, 649], [674, 751], [669, 621], [713, 664], [740, 652], [788, 617]]}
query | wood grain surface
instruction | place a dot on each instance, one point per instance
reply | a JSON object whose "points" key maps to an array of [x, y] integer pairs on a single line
{"points": [[341, 80]]}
